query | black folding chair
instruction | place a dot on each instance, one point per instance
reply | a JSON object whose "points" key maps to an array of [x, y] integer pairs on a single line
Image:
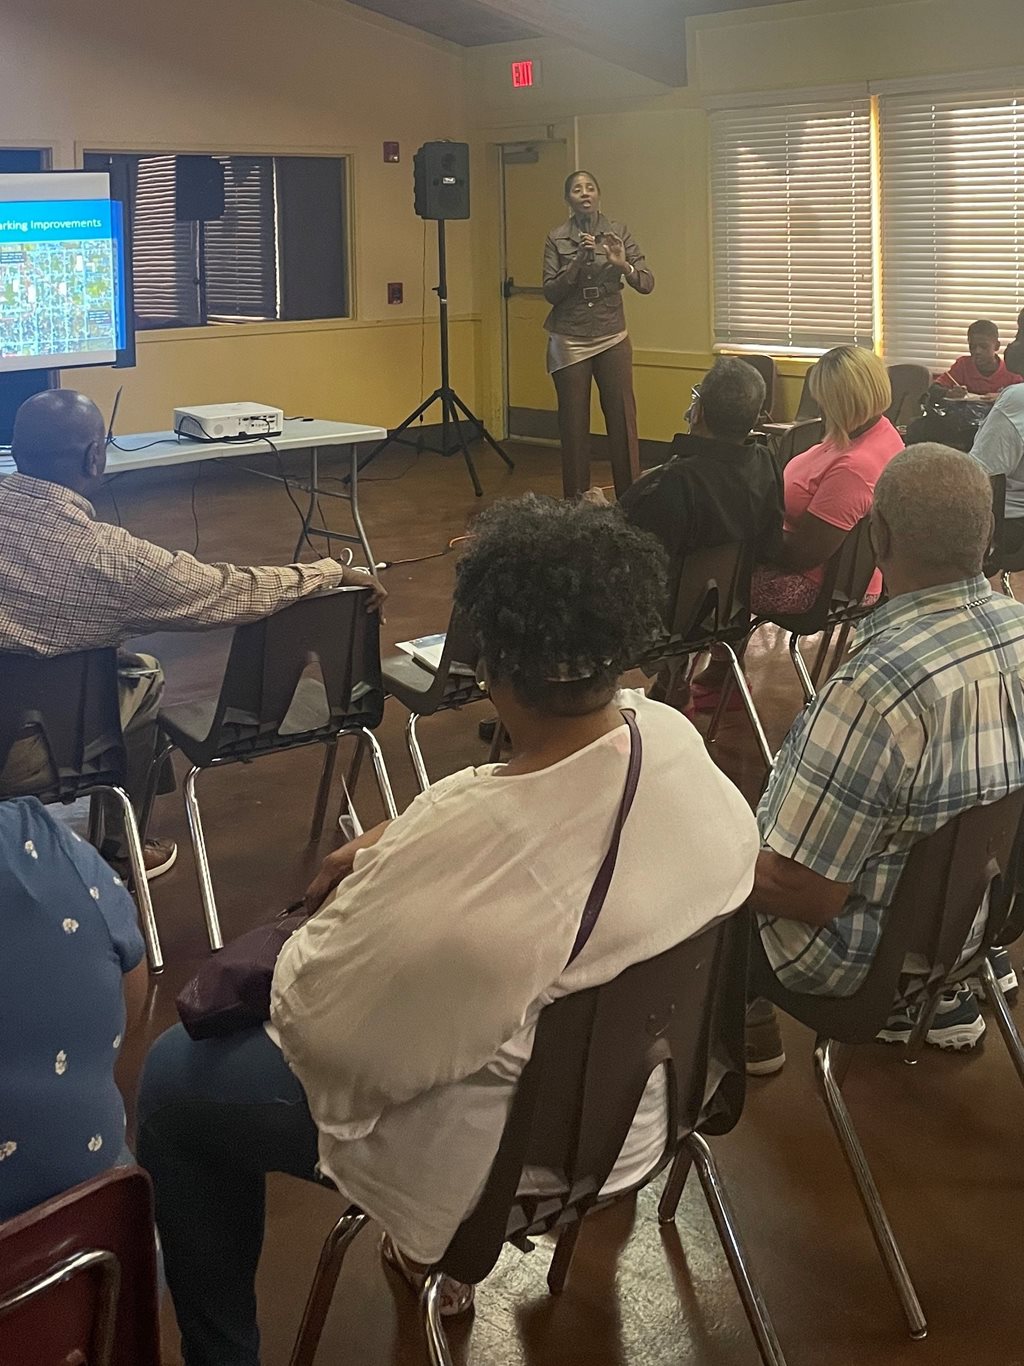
{"points": [[807, 411], [942, 887], [910, 384], [711, 606], [425, 693], [593, 1056], [838, 606], [1001, 560], [70, 702], [269, 702]]}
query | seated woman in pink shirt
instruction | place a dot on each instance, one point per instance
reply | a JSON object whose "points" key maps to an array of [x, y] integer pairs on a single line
{"points": [[829, 488]]}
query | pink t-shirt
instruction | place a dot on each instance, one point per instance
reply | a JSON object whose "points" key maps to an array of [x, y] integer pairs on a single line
{"points": [[838, 486]]}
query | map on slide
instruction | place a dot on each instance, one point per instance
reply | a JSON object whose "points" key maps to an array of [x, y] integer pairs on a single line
{"points": [[58, 281]]}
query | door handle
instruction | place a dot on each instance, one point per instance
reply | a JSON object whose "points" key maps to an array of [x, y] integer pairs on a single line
{"points": [[510, 289]]}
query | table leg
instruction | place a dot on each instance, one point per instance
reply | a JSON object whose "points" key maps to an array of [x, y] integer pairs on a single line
{"points": [[307, 521], [357, 519]]}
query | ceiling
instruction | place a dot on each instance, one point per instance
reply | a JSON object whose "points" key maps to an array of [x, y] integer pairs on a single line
{"points": [[647, 36], [460, 21]]}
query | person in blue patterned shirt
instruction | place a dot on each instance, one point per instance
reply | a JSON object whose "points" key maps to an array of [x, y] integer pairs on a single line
{"points": [[925, 719], [72, 981]]}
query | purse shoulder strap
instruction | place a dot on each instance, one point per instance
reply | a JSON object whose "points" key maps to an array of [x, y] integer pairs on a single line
{"points": [[599, 891]]}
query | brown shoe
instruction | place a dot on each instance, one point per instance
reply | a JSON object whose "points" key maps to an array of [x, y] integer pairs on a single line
{"points": [[158, 855], [765, 1053]]}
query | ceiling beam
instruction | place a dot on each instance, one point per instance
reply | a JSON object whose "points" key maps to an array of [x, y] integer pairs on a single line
{"points": [[646, 36]]}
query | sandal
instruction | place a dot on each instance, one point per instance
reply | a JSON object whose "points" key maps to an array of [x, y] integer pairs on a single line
{"points": [[456, 1297]]}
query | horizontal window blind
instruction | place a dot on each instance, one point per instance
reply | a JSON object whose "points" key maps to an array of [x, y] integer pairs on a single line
{"points": [[163, 250], [952, 218], [240, 247], [792, 227]]}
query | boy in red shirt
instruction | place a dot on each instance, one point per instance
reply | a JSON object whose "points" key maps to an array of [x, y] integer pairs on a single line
{"points": [[983, 371]]}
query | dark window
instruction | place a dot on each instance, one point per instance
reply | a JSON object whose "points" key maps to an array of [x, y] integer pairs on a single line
{"points": [[227, 239]]}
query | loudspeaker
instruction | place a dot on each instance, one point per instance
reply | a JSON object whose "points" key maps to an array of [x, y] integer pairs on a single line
{"points": [[198, 189], [441, 180]]}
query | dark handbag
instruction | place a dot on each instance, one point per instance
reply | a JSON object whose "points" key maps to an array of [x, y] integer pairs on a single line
{"points": [[231, 991]]}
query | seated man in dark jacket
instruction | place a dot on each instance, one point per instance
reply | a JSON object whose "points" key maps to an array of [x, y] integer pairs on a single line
{"points": [[714, 489]]}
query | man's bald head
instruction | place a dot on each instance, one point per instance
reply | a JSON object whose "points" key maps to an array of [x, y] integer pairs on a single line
{"points": [[933, 514], [59, 435]]}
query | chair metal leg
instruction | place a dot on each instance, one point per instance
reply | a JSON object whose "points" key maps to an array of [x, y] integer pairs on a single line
{"points": [[324, 790], [321, 1292], [822, 655], [380, 769], [562, 1258], [748, 704], [1007, 585], [923, 1023], [430, 1302], [156, 769], [95, 831], [140, 883], [806, 681], [1004, 1020], [750, 1292], [195, 827], [716, 720], [499, 739], [840, 650], [415, 753], [674, 1186], [867, 1190]]}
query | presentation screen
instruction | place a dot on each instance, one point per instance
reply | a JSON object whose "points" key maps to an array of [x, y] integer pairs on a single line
{"points": [[62, 271]]}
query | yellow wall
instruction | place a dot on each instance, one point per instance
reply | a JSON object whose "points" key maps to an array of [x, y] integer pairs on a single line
{"points": [[262, 76], [648, 144]]}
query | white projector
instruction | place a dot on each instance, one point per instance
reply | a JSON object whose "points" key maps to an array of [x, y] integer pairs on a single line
{"points": [[228, 421]]}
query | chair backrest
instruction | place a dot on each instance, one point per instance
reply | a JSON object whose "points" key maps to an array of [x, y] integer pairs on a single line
{"points": [[710, 598], [994, 560], [943, 885], [800, 437], [78, 1277], [910, 384], [71, 702], [269, 657], [593, 1055], [847, 576], [455, 680], [808, 405], [766, 368]]}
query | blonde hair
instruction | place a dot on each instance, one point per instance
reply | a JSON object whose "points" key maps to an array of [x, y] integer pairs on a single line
{"points": [[851, 387]]}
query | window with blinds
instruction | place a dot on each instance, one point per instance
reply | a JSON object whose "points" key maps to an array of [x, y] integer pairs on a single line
{"points": [[952, 220], [792, 230], [276, 249]]}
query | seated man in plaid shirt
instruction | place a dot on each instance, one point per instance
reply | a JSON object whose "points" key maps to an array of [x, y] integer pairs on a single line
{"points": [[69, 582], [924, 720]]}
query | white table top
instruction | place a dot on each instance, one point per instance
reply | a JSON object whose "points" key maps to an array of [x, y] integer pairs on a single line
{"points": [[151, 450]]}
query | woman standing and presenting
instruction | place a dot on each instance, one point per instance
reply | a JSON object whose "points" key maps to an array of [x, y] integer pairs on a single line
{"points": [[587, 261]]}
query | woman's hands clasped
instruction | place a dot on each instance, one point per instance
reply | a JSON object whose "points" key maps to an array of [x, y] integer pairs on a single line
{"points": [[337, 866]]}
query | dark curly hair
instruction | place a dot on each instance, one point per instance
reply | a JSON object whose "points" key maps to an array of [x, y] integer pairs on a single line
{"points": [[562, 598]]}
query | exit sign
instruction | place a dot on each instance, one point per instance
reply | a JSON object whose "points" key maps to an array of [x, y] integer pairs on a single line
{"points": [[525, 74]]}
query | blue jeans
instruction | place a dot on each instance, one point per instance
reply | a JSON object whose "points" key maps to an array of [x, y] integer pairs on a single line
{"points": [[214, 1118]]}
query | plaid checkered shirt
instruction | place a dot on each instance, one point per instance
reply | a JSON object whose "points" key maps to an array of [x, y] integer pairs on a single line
{"points": [[923, 721], [69, 582]]}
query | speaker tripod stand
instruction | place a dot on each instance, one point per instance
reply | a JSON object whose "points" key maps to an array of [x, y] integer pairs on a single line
{"points": [[453, 410]]}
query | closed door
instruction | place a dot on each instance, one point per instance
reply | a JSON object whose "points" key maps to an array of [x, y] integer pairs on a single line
{"points": [[534, 175]]}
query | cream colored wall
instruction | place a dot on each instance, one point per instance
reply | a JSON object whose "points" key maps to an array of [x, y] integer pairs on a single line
{"points": [[262, 76], [648, 144]]}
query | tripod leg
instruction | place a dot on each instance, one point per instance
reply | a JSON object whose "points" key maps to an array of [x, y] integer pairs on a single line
{"points": [[397, 433], [485, 434], [453, 416]]}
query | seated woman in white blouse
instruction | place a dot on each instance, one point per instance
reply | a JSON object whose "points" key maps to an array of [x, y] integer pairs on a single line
{"points": [[404, 1011]]}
